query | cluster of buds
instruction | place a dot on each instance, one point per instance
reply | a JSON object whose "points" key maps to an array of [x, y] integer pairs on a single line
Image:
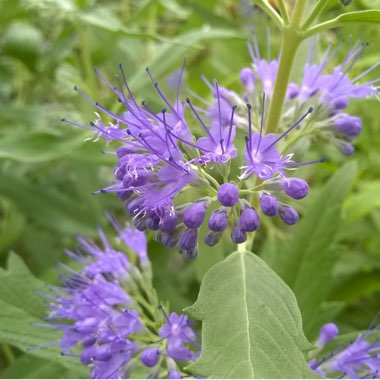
{"points": [[110, 315]]}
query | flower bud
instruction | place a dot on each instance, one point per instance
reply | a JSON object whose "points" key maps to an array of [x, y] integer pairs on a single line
{"points": [[169, 240], [212, 238], [247, 78], [295, 187], [174, 375], [140, 223], [327, 333], [188, 240], [153, 222], [150, 356], [347, 149], [194, 214], [289, 215], [292, 91], [190, 254], [237, 235], [133, 207], [351, 125], [339, 103], [268, 204], [218, 220], [249, 220], [228, 194], [169, 221]]}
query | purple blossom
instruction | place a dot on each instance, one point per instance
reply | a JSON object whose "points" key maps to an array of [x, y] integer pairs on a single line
{"points": [[179, 333], [358, 359], [261, 156], [101, 318]]}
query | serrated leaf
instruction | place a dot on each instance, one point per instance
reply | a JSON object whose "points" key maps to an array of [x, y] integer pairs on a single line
{"points": [[251, 326], [21, 309], [307, 263]]}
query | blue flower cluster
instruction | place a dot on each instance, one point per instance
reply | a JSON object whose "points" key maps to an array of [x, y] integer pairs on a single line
{"points": [[111, 319], [162, 154]]}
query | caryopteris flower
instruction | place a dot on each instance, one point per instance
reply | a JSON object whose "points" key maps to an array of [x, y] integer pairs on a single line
{"points": [[359, 359], [110, 316], [161, 155], [328, 92]]}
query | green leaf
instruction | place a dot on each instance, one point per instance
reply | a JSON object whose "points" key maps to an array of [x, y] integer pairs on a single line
{"points": [[30, 367], [21, 309], [38, 146], [367, 17], [251, 323], [364, 201], [307, 263], [48, 207]]}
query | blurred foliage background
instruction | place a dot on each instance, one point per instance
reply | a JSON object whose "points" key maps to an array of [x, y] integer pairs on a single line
{"points": [[48, 171]]}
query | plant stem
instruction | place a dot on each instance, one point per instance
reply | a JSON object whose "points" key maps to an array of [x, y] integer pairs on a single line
{"points": [[284, 11], [86, 59], [317, 10], [270, 11], [291, 39]]}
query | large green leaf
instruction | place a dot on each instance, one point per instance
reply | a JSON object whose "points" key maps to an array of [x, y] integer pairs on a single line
{"points": [[307, 262], [21, 309], [251, 323]]}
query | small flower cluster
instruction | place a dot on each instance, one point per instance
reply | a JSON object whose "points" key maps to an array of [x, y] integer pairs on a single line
{"points": [[110, 315], [164, 153], [359, 359], [328, 93]]}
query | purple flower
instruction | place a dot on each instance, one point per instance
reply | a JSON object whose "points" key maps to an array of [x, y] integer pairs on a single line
{"points": [[358, 359], [265, 71], [101, 317], [178, 332], [261, 156]]}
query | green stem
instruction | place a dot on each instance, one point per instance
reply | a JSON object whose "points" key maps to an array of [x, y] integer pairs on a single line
{"points": [[284, 11], [270, 11], [87, 61], [291, 40], [317, 10], [8, 353]]}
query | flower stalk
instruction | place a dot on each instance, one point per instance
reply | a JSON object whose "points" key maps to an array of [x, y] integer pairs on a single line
{"points": [[292, 37]]}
